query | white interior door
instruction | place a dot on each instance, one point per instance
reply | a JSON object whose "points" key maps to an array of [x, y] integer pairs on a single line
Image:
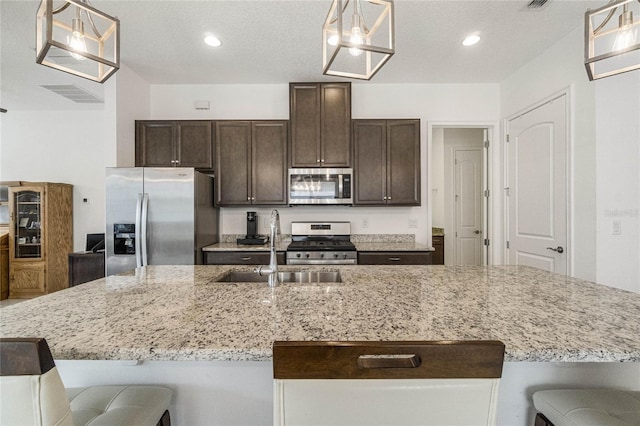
{"points": [[537, 187], [468, 207]]}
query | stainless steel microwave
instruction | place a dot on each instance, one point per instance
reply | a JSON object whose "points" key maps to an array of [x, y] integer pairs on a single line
{"points": [[320, 186]]}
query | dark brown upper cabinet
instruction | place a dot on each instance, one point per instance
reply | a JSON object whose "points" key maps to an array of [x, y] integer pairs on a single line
{"points": [[386, 162], [320, 124], [183, 143], [251, 162]]}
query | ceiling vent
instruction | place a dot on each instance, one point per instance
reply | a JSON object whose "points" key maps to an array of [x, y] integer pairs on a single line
{"points": [[74, 93], [536, 4]]}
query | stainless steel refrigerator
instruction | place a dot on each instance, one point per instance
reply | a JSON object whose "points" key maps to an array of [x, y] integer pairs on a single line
{"points": [[158, 216]]}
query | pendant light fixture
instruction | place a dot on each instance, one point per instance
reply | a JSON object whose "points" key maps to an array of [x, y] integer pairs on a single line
{"points": [[612, 46], [351, 48], [78, 38]]}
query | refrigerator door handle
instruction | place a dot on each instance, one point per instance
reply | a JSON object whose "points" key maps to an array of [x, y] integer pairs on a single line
{"points": [[143, 219], [138, 226]]}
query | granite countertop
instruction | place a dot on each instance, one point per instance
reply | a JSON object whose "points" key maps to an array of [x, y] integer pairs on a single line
{"points": [[363, 242], [392, 246], [182, 313]]}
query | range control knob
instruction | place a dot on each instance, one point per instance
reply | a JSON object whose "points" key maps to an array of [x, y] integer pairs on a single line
{"points": [[307, 255], [321, 255], [345, 255], [298, 255], [336, 255]]}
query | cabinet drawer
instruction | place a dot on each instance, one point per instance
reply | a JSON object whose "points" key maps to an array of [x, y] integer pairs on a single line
{"points": [[395, 258], [240, 258]]}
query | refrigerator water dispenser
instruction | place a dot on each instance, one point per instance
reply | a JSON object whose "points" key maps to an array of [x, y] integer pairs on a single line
{"points": [[124, 238]]}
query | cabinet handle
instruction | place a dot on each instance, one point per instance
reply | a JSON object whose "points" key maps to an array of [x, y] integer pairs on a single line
{"points": [[246, 258], [388, 198], [253, 198], [394, 259], [318, 160], [248, 198], [322, 161], [384, 198]]}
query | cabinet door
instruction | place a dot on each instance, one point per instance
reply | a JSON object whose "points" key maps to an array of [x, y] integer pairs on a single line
{"points": [[233, 163], [370, 161], [403, 162], [154, 143], [194, 144], [395, 258], [335, 141], [304, 111], [27, 279], [438, 255], [27, 222], [241, 258], [269, 162]]}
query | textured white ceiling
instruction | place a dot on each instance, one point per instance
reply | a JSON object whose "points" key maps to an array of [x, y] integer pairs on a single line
{"points": [[268, 41]]}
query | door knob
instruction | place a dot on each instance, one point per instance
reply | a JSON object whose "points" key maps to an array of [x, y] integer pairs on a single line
{"points": [[558, 249], [477, 231]]}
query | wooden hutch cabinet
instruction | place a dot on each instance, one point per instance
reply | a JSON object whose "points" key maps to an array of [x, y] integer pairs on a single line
{"points": [[320, 124], [174, 143], [40, 238], [387, 162]]}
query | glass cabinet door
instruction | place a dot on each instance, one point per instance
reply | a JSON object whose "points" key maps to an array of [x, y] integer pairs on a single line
{"points": [[27, 210]]}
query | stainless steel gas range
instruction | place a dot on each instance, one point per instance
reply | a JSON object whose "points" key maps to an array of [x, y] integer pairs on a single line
{"points": [[321, 243]]}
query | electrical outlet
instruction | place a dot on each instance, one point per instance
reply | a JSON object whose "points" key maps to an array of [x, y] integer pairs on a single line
{"points": [[616, 227], [365, 223], [413, 223]]}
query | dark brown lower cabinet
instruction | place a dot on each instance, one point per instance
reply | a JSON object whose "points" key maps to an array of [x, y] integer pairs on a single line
{"points": [[395, 258], [240, 258], [85, 267], [438, 255]]}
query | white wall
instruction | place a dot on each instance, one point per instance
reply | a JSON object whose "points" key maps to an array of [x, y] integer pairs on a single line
{"points": [[437, 177], [618, 180], [560, 67], [59, 146], [131, 103], [428, 102]]}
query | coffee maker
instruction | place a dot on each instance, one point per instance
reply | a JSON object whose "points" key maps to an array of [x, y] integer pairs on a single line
{"points": [[252, 236]]}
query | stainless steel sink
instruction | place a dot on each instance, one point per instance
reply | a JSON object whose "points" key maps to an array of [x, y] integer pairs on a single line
{"points": [[284, 277]]}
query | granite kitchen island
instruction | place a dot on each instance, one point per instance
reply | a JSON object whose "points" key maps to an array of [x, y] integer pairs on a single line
{"points": [[152, 324]]}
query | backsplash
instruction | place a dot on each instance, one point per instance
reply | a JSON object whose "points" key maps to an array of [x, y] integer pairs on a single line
{"points": [[383, 238]]}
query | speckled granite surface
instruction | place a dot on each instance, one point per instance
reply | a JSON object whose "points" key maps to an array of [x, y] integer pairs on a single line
{"points": [[363, 242], [393, 246], [182, 313]]}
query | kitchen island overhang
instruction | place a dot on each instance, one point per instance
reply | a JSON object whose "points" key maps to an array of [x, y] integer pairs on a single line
{"points": [[176, 313]]}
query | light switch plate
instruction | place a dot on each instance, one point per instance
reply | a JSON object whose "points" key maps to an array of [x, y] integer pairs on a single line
{"points": [[616, 227]]}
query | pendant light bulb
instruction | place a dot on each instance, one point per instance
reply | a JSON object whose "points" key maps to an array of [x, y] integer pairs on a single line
{"points": [[627, 35], [76, 41], [356, 34]]}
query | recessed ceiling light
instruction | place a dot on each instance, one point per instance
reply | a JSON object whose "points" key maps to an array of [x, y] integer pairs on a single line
{"points": [[212, 41], [471, 39]]}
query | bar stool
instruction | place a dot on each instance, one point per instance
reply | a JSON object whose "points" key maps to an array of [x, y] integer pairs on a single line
{"points": [[33, 393], [587, 407], [386, 383]]}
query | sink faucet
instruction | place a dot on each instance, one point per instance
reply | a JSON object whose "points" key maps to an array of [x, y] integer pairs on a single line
{"points": [[272, 269]]}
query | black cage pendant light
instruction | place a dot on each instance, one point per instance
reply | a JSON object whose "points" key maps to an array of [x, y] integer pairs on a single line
{"points": [[78, 38]]}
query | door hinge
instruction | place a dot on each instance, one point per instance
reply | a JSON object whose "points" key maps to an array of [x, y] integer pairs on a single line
{"points": [[507, 244], [486, 144], [486, 193], [506, 191], [486, 242], [508, 138]]}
